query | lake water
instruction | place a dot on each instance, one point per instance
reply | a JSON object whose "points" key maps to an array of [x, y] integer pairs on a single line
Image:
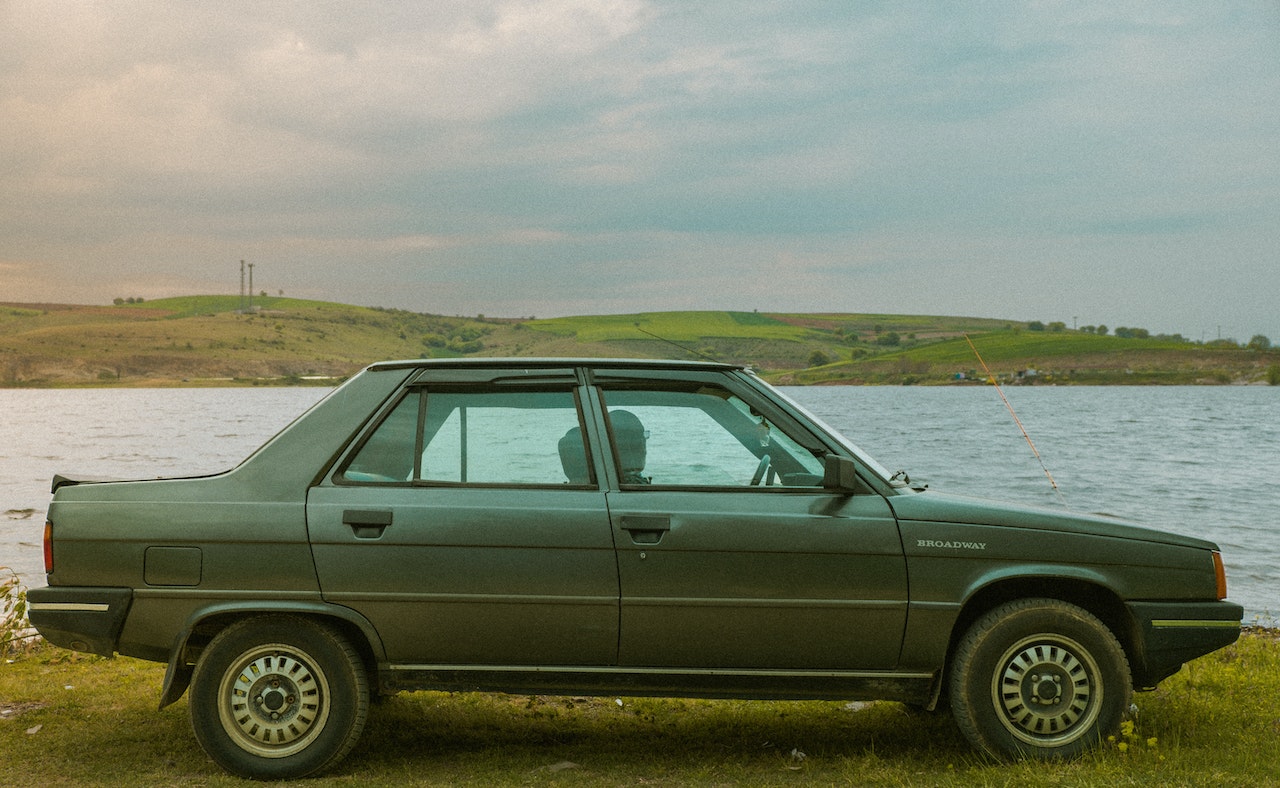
{"points": [[1203, 461]]}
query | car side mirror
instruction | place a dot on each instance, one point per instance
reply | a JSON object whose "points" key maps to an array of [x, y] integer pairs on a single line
{"points": [[840, 474]]}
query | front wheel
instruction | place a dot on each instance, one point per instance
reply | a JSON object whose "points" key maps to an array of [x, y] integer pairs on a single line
{"points": [[1039, 678], [278, 697]]}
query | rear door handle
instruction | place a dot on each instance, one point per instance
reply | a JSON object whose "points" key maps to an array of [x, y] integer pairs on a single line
{"points": [[365, 523], [646, 528]]}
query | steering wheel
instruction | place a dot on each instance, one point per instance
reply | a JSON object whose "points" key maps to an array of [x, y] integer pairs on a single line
{"points": [[761, 470]]}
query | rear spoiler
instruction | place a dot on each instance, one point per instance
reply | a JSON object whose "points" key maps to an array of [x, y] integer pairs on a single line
{"points": [[60, 481]]}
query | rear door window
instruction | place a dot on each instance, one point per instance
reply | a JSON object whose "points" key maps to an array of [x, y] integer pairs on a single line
{"points": [[476, 437]]}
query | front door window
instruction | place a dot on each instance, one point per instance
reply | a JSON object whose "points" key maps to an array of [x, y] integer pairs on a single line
{"points": [[703, 437]]}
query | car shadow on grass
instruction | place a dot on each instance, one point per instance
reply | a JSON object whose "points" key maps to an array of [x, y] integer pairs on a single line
{"points": [[448, 735]]}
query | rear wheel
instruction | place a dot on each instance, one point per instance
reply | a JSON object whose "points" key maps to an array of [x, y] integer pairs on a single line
{"points": [[278, 697], [1039, 678]]}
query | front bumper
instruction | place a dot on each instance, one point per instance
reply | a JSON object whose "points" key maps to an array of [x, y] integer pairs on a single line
{"points": [[1170, 634], [81, 619]]}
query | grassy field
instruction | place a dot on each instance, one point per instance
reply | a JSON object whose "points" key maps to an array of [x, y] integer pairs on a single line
{"points": [[674, 326], [205, 340], [209, 340], [69, 719]]}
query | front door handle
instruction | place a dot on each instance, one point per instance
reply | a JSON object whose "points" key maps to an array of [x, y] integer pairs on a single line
{"points": [[365, 523], [646, 529]]}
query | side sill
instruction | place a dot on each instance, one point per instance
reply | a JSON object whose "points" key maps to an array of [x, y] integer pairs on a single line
{"points": [[915, 688]]}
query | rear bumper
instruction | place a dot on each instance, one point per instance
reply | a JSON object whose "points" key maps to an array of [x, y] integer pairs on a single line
{"points": [[1173, 633], [81, 619]]}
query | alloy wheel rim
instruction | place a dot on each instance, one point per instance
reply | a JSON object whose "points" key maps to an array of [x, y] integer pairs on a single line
{"points": [[273, 701], [1046, 690]]}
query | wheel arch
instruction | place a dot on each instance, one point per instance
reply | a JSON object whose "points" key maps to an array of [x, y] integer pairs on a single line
{"points": [[204, 624], [1039, 677], [1085, 593]]}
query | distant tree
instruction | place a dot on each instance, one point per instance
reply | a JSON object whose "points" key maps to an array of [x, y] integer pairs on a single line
{"points": [[1100, 331], [1057, 326], [889, 338], [1259, 342], [817, 359], [1035, 325], [117, 301]]}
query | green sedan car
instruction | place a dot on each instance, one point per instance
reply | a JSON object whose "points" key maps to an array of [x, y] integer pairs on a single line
{"points": [[607, 527]]}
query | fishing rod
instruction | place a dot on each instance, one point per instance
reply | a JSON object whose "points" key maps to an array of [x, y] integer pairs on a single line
{"points": [[688, 350], [1017, 421]]}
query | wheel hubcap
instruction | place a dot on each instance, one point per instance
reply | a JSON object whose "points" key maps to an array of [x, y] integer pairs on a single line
{"points": [[273, 701], [1046, 690]]}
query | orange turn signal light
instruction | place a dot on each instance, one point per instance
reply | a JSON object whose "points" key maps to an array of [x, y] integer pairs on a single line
{"points": [[1220, 571]]}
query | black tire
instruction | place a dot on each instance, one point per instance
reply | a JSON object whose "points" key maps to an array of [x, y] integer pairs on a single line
{"points": [[278, 697], [1039, 678]]}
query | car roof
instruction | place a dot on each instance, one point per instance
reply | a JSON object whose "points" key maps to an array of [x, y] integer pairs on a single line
{"points": [[543, 362]]}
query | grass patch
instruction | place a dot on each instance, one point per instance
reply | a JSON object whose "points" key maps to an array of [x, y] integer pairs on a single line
{"points": [[74, 719], [674, 326]]}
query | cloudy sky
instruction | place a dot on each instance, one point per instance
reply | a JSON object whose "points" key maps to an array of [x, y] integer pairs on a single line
{"points": [[1091, 162]]}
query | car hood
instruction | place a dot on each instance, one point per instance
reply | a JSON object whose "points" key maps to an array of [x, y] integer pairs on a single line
{"points": [[931, 506]]}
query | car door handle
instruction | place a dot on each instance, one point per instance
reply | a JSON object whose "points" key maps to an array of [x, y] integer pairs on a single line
{"points": [[366, 524], [646, 528]]}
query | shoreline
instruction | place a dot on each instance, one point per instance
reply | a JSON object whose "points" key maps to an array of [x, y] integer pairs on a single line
{"points": [[777, 379]]}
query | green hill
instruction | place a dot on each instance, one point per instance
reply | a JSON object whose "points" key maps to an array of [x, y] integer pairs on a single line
{"points": [[206, 340]]}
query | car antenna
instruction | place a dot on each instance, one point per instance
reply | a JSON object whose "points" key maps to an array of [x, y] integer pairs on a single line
{"points": [[688, 350], [1034, 450]]}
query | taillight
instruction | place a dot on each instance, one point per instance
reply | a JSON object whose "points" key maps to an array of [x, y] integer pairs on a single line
{"points": [[1220, 571], [48, 546]]}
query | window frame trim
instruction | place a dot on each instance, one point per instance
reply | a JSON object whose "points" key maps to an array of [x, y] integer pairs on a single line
{"points": [[498, 384]]}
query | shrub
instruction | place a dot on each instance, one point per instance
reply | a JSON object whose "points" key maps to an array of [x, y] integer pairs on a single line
{"points": [[14, 627]]}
